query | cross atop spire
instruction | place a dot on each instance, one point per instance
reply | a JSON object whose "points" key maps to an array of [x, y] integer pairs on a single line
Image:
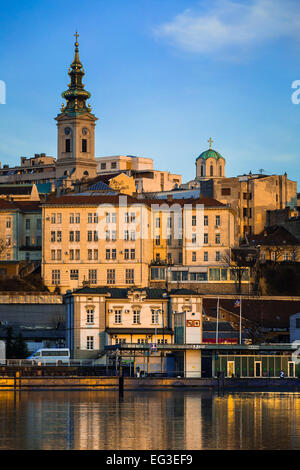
{"points": [[76, 36], [210, 141]]}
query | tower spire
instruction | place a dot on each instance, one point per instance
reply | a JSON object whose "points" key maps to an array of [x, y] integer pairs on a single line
{"points": [[76, 96]]}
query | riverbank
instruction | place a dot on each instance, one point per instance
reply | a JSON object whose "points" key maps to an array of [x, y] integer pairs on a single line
{"points": [[147, 383]]}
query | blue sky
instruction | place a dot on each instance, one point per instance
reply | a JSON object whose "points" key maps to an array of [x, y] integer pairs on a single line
{"points": [[165, 75]]}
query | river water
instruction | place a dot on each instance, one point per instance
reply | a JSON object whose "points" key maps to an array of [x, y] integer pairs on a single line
{"points": [[166, 420]]}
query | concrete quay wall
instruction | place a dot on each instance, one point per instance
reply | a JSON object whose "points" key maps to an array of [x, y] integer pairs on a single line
{"points": [[150, 383]]}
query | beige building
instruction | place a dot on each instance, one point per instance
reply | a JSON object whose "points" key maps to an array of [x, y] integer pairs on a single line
{"points": [[251, 196], [141, 169], [122, 241], [20, 230], [136, 319]]}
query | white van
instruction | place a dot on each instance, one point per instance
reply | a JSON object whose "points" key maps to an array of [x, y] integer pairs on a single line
{"points": [[50, 356]]}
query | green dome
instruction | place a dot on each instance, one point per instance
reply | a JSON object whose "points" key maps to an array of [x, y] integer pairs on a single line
{"points": [[210, 153]]}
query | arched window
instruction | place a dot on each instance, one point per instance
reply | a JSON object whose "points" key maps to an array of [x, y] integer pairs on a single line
{"points": [[220, 170], [211, 170], [202, 170]]}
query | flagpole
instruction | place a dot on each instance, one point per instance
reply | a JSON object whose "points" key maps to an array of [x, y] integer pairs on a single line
{"points": [[240, 319], [217, 329]]}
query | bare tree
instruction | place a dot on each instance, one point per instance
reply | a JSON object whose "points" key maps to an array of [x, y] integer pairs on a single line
{"points": [[239, 260]]}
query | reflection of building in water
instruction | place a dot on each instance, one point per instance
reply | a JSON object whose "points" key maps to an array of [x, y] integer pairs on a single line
{"points": [[192, 421]]}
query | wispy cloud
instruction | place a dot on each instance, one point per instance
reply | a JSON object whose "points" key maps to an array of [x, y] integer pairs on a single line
{"points": [[232, 25]]}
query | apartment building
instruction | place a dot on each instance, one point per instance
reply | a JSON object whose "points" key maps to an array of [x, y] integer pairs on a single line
{"points": [[117, 240], [20, 230], [95, 240]]}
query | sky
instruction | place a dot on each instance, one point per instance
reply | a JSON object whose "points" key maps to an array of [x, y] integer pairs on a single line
{"points": [[164, 75]]}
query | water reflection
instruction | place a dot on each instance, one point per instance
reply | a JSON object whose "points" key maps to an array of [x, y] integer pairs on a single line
{"points": [[149, 420]]}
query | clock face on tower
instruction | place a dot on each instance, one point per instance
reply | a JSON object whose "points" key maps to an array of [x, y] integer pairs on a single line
{"points": [[67, 130]]}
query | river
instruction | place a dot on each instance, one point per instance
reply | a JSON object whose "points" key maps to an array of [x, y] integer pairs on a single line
{"points": [[145, 420]]}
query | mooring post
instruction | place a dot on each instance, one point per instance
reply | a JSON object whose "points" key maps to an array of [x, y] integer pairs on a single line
{"points": [[121, 384]]}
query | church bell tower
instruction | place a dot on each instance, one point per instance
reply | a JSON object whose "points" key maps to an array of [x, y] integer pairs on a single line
{"points": [[76, 128]]}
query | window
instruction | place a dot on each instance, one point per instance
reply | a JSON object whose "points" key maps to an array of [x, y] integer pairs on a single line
{"points": [[157, 222], [113, 253], [126, 235], [77, 236], [118, 316], [8, 223], [39, 240], [95, 218], [297, 322], [132, 236], [214, 274], [155, 317], [89, 236], [162, 341], [53, 218], [27, 241], [126, 253], [90, 254], [218, 256], [194, 220], [157, 240], [68, 145], [55, 277], [84, 146], [74, 276], [114, 235], [90, 315], [169, 240], [114, 165], [90, 218], [218, 220], [52, 237], [136, 317], [217, 238], [211, 170], [93, 276], [58, 236], [126, 217], [71, 255], [103, 166], [132, 253], [52, 255], [59, 219], [206, 220], [58, 255], [158, 274], [206, 238], [107, 235], [205, 256], [129, 276], [77, 218], [194, 238], [194, 256], [114, 218], [132, 217], [95, 235], [286, 256], [111, 276], [226, 191], [27, 222], [77, 254], [90, 342], [169, 222], [71, 219]]}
